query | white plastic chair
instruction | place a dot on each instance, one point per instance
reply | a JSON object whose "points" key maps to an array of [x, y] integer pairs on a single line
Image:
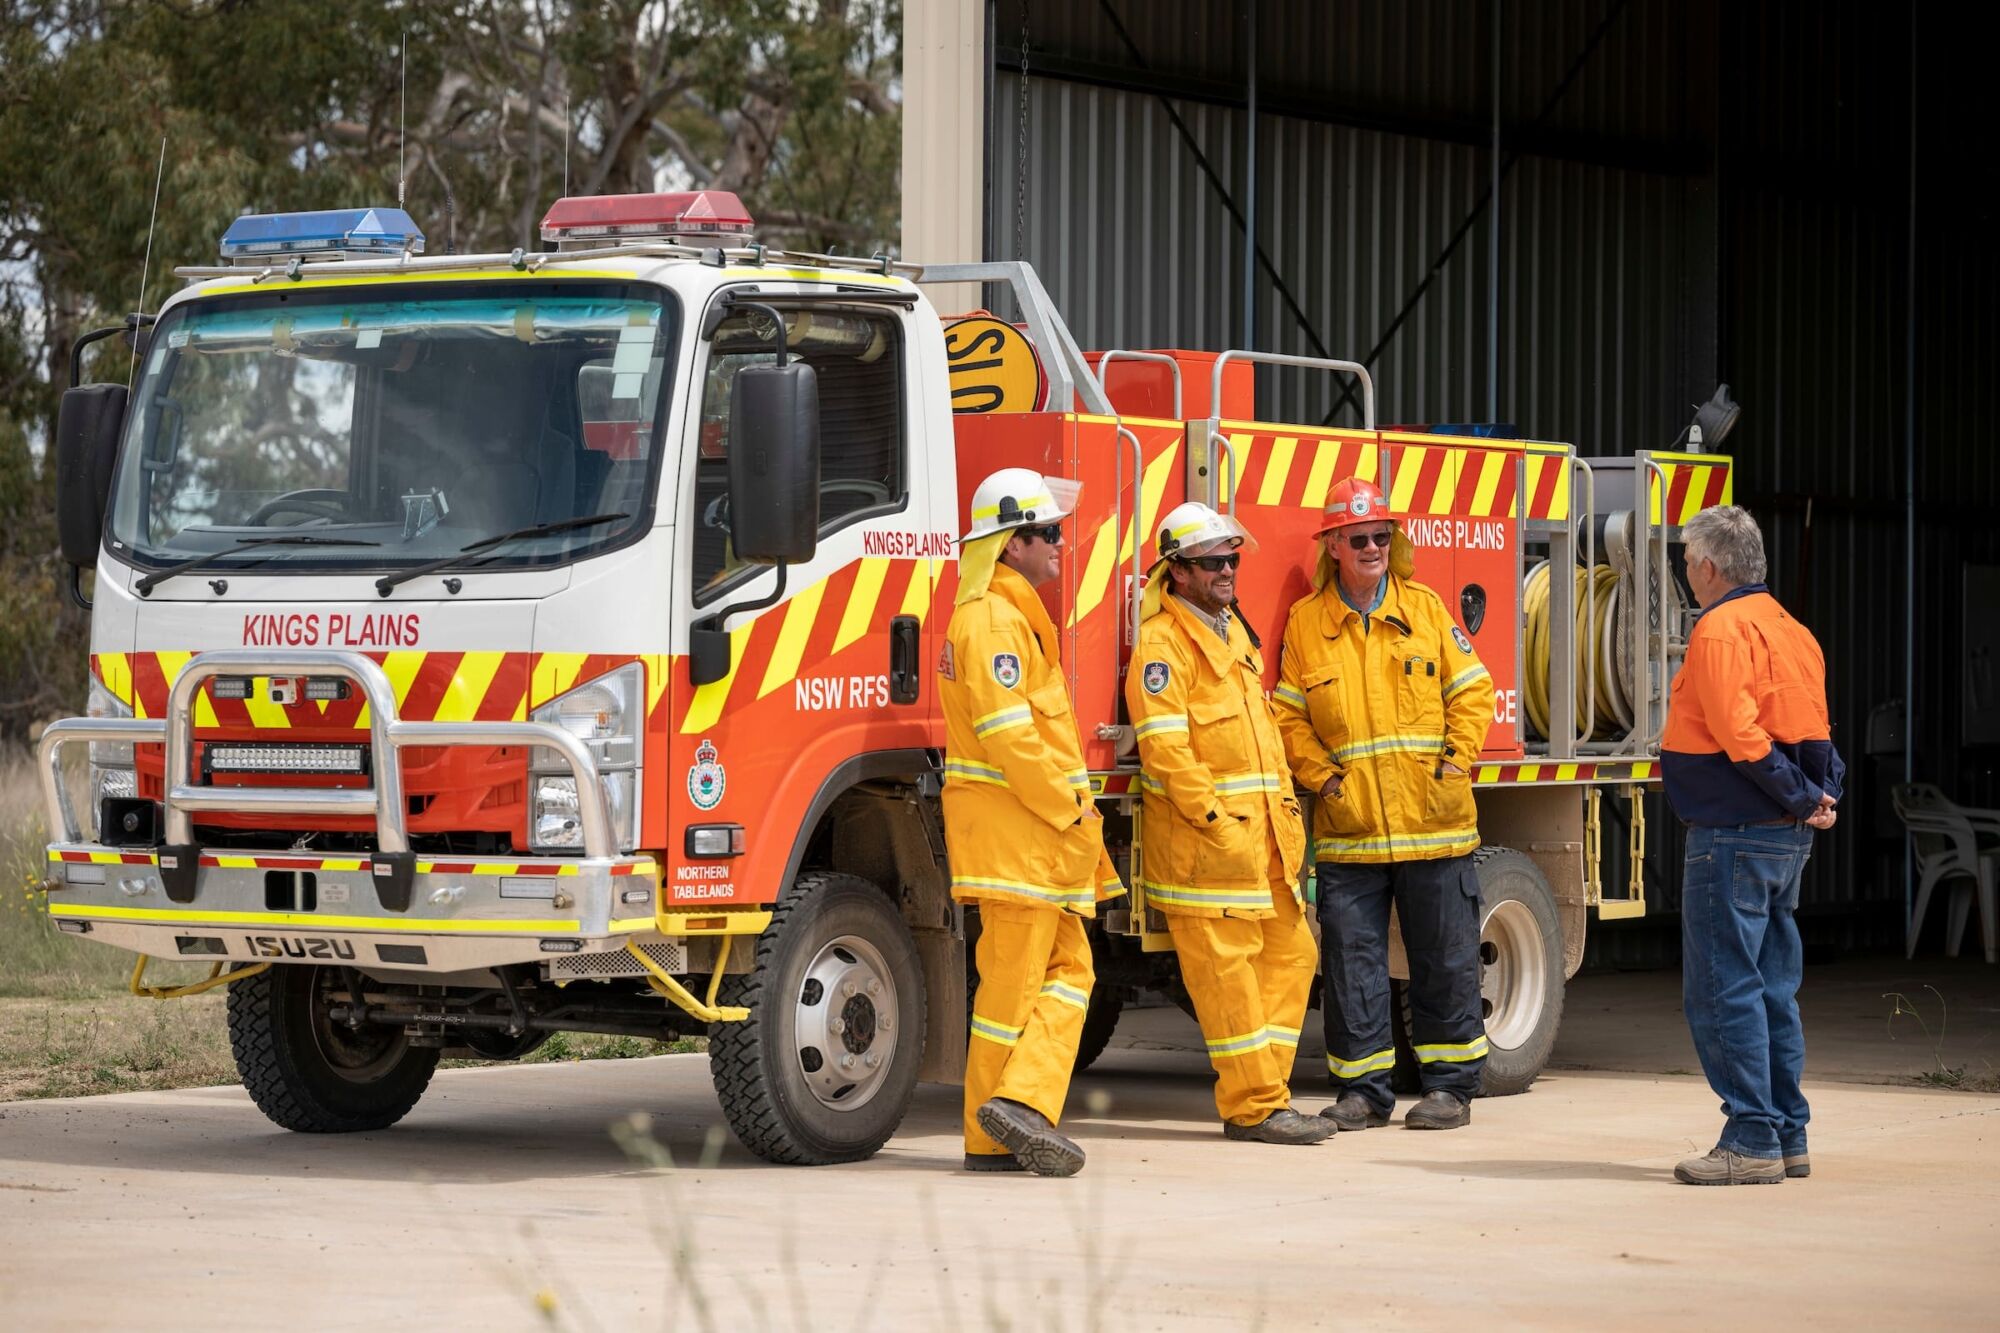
{"points": [[1948, 849]]}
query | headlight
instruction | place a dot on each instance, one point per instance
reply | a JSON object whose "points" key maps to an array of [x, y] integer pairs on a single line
{"points": [[111, 772], [605, 714]]}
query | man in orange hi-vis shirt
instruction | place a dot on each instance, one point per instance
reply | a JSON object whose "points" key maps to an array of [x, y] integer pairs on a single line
{"points": [[1750, 767]]}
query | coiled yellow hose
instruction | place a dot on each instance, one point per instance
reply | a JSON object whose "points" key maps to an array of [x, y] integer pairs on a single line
{"points": [[1599, 593]]}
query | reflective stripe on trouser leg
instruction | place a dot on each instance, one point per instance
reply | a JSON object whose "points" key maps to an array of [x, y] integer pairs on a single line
{"points": [[1033, 962], [1437, 905], [1354, 954], [1249, 980]]}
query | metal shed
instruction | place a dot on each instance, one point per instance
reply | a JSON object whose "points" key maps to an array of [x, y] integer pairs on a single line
{"points": [[1780, 196]]}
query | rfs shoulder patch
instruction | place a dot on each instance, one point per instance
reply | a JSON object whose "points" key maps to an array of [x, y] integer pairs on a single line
{"points": [[1458, 637], [946, 667], [1007, 669], [1156, 676]]}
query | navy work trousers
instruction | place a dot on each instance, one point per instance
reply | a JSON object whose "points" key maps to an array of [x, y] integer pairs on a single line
{"points": [[1437, 904]]}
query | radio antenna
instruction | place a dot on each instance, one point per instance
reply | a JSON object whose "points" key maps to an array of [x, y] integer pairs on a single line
{"points": [[402, 116], [565, 138], [146, 267]]}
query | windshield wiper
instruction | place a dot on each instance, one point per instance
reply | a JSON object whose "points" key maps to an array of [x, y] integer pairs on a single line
{"points": [[388, 582], [145, 586]]}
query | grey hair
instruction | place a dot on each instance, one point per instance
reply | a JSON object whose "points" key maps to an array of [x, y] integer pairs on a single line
{"points": [[1729, 536]]}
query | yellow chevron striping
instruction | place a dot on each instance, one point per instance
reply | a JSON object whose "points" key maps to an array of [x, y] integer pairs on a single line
{"points": [[1489, 773], [1527, 772], [468, 686], [116, 671], [1326, 456], [1278, 471], [1446, 489], [1697, 487], [401, 668], [1409, 469], [658, 665], [860, 612], [800, 613], [923, 582], [1371, 461], [706, 703], [1565, 772], [1152, 492], [1492, 467], [1092, 584]]}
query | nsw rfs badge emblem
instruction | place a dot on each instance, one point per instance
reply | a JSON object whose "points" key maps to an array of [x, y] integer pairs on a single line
{"points": [[706, 779]]}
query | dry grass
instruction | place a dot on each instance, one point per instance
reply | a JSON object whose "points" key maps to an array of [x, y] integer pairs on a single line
{"points": [[69, 1027]]}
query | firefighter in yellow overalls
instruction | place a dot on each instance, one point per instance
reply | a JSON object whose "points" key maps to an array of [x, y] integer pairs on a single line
{"points": [[1384, 707], [1222, 842], [1024, 837]]}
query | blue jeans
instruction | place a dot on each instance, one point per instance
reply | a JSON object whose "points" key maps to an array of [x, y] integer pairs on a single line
{"points": [[1740, 966]]}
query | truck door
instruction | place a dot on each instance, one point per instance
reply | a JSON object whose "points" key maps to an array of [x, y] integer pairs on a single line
{"points": [[839, 667]]}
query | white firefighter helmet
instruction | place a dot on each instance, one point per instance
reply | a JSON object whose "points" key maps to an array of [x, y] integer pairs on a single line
{"points": [[1193, 529], [1017, 497]]}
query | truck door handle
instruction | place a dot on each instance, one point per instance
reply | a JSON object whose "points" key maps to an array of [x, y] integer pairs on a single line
{"points": [[904, 648]]}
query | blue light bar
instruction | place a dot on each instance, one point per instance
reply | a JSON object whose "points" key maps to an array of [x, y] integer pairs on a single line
{"points": [[360, 231]]}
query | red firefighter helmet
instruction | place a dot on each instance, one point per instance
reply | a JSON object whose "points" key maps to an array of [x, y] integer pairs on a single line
{"points": [[1355, 501]]}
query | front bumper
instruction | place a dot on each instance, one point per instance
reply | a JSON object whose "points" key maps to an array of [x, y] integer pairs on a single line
{"points": [[464, 914]]}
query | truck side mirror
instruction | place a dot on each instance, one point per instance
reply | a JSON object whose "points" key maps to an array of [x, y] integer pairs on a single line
{"points": [[774, 463], [88, 427]]}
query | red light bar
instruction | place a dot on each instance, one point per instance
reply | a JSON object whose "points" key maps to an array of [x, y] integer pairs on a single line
{"points": [[708, 214]]}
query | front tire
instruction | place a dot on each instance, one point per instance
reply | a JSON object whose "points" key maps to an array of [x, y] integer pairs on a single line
{"points": [[310, 1074], [824, 1068], [1520, 970]]}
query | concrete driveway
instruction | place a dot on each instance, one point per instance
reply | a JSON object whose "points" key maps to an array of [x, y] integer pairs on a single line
{"points": [[540, 1196]]}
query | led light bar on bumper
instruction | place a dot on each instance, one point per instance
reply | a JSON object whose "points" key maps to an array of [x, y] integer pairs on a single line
{"points": [[223, 758]]}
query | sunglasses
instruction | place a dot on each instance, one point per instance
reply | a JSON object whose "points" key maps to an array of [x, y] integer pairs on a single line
{"points": [[1052, 533], [1215, 564], [1361, 541]]}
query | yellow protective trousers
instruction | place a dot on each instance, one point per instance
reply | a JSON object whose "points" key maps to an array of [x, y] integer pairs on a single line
{"points": [[1249, 979], [1035, 976]]}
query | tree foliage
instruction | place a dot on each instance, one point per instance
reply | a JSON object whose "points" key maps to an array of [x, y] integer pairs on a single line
{"points": [[479, 112]]}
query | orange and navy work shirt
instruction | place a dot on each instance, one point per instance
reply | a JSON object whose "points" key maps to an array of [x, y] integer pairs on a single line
{"points": [[1747, 739]]}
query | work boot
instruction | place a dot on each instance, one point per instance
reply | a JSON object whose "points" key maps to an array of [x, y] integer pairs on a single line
{"points": [[1723, 1167], [993, 1161], [1354, 1112], [1798, 1165], [1438, 1110], [1281, 1126], [1030, 1137]]}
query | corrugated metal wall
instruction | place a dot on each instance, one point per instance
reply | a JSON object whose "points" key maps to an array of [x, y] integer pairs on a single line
{"points": [[1697, 191]]}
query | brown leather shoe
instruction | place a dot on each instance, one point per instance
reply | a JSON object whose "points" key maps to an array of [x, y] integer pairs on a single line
{"points": [[1028, 1135], [1719, 1166], [1798, 1165]]}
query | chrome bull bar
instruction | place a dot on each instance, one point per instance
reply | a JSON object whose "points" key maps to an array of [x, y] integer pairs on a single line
{"points": [[394, 864]]}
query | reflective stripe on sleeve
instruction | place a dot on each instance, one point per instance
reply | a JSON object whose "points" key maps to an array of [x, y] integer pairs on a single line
{"points": [[1237, 784], [1456, 1053], [971, 770], [1165, 722], [1002, 719], [1463, 679], [1289, 697], [1058, 897], [1367, 1064]]}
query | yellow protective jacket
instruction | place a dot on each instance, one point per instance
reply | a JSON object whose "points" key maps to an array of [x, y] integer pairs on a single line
{"points": [[1386, 708], [1019, 821], [1217, 790]]}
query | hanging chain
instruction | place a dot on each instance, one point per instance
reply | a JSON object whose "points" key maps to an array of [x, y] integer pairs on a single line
{"points": [[1021, 150]]}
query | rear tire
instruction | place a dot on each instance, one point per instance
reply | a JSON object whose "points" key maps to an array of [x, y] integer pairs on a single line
{"points": [[310, 1074], [1520, 970], [836, 982], [1106, 1003]]}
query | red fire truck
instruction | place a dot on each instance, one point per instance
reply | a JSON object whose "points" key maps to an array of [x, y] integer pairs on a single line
{"points": [[489, 646]]}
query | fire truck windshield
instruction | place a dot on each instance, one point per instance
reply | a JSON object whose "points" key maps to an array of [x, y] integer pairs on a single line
{"points": [[405, 422]]}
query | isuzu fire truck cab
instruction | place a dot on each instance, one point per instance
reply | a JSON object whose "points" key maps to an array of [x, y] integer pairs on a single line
{"points": [[488, 646]]}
